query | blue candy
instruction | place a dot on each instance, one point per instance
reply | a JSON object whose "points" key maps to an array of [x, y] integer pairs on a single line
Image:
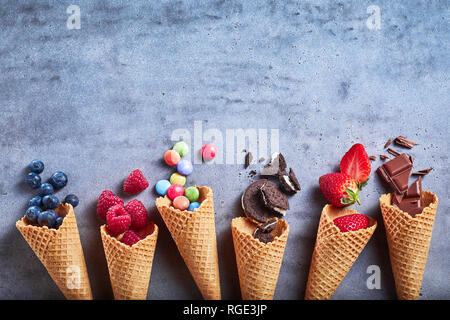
{"points": [[193, 206], [162, 186], [184, 167]]}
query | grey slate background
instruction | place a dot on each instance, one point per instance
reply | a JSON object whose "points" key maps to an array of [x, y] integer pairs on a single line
{"points": [[103, 100]]}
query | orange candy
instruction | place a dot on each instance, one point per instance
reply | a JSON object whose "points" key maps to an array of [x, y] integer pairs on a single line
{"points": [[181, 203], [171, 157]]}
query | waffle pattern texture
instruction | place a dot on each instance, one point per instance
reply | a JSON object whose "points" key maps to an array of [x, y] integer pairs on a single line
{"points": [[258, 263], [61, 253], [129, 267], [334, 253], [409, 240], [195, 236]]}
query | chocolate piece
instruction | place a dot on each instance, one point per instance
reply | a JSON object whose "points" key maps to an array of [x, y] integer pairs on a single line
{"points": [[273, 198], [402, 141], [289, 183], [393, 152], [422, 172], [248, 159], [411, 202], [253, 204], [276, 165], [373, 158], [384, 157], [396, 173], [264, 231], [388, 143]]}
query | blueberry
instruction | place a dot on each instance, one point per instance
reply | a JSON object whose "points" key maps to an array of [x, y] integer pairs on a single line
{"points": [[72, 199], [36, 166], [33, 180], [45, 189], [36, 201], [58, 222], [58, 179], [33, 213], [47, 218], [50, 201]]}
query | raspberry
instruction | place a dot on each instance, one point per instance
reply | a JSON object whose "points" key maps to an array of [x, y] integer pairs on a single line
{"points": [[130, 238], [118, 219], [135, 182], [106, 200], [138, 213]]}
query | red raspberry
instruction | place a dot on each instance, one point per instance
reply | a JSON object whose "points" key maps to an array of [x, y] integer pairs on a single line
{"points": [[138, 213], [118, 219], [106, 200], [130, 238], [135, 182]]}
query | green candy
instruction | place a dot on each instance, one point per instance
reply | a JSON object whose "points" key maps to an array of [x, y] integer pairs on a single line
{"points": [[192, 194], [181, 147]]}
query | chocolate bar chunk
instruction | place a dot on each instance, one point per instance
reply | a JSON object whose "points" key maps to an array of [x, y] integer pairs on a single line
{"points": [[396, 173], [411, 202]]}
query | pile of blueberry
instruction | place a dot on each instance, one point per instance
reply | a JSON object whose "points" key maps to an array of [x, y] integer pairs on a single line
{"points": [[41, 207]]}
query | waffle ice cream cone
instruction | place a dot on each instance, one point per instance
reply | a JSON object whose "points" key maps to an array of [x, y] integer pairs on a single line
{"points": [[61, 253], [258, 263], [130, 266], [195, 236], [408, 241], [334, 253]]}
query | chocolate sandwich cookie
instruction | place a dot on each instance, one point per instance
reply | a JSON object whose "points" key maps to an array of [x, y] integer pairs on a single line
{"points": [[253, 203], [289, 182], [276, 166], [273, 198], [264, 232]]}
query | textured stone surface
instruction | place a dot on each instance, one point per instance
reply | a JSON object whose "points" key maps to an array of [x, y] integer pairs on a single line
{"points": [[103, 100]]}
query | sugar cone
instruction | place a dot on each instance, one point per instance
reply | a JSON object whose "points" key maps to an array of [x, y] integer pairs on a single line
{"points": [[334, 253], [195, 236], [258, 263], [130, 266], [61, 253], [408, 241]]}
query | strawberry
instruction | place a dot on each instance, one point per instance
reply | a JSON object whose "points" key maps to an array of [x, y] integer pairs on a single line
{"points": [[351, 222], [356, 164], [340, 189]]}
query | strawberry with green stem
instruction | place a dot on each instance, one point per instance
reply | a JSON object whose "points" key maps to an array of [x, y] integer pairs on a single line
{"points": [[340, 189]]}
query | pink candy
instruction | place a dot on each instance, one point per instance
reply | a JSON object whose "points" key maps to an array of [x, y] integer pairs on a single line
{"points": [[209, 151], [175, 190]]}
